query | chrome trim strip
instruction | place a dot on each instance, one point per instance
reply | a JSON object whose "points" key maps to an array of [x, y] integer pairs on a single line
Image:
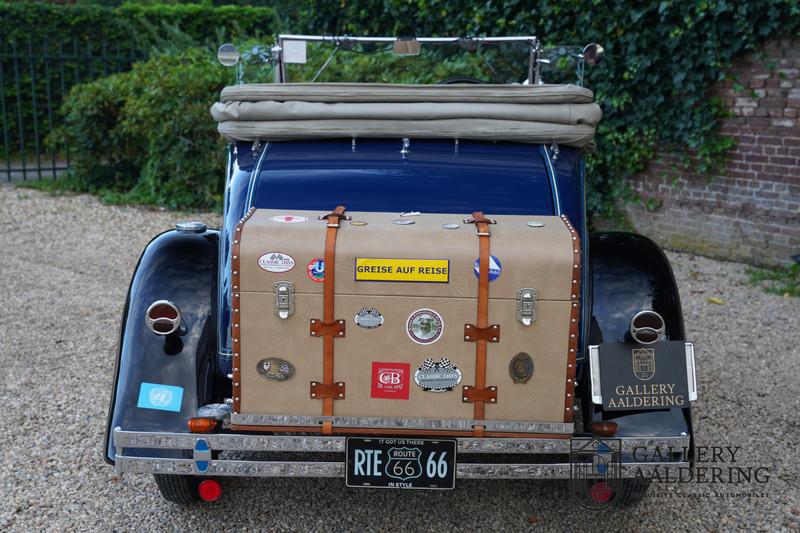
{"points": [[254, 175], [380, 423], [306, 443], [329, 469], [594, 374], [691, 376], [551, 173]]}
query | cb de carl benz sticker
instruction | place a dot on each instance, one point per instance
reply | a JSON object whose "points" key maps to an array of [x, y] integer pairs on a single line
{"points": [[369, 318], [409, 270], [441, 376], [276, 262], [424, 326], [160, 397], [390, 380], [495, 268]]}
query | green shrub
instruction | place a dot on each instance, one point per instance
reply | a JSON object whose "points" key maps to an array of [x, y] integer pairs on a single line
{"points": [[145, 136], [49, 47]]}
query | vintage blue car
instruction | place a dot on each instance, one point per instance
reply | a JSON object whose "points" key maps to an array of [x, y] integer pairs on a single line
{"points": [[403, 293]]}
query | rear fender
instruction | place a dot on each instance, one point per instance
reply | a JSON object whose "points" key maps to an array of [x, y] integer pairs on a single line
{"points": [[180, 267], [630, 273]]}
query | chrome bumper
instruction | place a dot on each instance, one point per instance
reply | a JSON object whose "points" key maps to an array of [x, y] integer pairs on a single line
{"points": [[292, 443]]}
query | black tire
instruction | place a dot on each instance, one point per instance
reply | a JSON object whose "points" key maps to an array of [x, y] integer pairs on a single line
{"points": [[178, 489], [633, 490]]}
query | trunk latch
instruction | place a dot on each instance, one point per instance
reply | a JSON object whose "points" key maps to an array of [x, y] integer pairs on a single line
{"points": [[284, 298], [526, 306]]}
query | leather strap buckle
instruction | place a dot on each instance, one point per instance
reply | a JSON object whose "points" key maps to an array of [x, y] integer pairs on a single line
{"points": [[335, 216], [473, 333], [320, 391], [318, 328], [471, 394]]}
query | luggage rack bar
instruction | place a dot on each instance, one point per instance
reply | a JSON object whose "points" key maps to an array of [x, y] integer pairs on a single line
{"points": [[302, 443]]}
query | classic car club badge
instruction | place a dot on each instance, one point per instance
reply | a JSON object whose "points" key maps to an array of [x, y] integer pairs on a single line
{"points": [[424, 326], [644, 363], [521, 367], [316, 270], [276, 262], [275, 369], [369, 318], [437, 377]]}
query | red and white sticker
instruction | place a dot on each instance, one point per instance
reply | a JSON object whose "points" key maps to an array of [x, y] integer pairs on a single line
{"points": [[390, 380], [289, 219]]}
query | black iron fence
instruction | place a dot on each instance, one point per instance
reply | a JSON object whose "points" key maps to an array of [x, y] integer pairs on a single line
{"points": [[34, 79]]}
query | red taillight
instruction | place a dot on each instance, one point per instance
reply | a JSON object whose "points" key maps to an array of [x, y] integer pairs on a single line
{"points": [[163, 317], [209, 490], [202, 425], [601, 492]]}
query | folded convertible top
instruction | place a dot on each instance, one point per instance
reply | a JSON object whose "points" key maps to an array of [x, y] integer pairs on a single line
{"points": [[564, 114]]}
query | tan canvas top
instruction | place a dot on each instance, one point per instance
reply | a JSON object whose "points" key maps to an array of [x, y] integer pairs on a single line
{"points": [[564, 114]]}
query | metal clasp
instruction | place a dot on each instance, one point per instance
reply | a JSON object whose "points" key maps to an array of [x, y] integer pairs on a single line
{"points": [[526, 306], [284, 298]]}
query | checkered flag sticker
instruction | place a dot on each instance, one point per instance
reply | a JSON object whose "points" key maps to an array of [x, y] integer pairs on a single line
{"points": [[446, 364], [427, 364]]}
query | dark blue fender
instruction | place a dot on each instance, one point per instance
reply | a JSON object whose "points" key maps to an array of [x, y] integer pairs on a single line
{"points": [[630, 273], [180, 267]]}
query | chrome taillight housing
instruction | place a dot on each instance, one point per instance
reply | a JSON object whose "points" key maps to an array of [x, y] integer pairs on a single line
{"points": [[163, 317], [647, 327]]}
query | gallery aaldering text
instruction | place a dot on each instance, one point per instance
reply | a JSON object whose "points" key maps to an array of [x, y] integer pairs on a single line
{"points": [[712, 464]]}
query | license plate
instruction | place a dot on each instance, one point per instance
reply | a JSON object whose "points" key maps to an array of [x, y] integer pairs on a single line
{"points": [[401, 463]]}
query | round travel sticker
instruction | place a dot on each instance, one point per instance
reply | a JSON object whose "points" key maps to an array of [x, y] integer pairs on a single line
{"points": [[276, 262], [291, 219], [450, 226], [316, 270], [536, 224], [358, 222], [424, 326], [494, 268], [403, 221]]}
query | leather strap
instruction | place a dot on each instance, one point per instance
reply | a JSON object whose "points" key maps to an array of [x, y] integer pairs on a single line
{"points": [[480, 394], [328, 328], [475, 334]]}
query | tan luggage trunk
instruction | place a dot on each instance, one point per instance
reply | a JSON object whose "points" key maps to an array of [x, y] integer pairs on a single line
{"points": [[405, 292]]}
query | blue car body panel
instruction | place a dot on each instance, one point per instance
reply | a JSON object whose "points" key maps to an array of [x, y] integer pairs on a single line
{"points": [[622, 273]]}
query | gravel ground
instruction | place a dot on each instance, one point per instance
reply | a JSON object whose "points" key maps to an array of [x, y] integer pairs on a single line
{"points": [[66, 264]]}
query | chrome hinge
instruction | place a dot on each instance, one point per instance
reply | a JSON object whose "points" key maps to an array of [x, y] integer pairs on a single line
{"points": [[526, 306], [284, 298]]}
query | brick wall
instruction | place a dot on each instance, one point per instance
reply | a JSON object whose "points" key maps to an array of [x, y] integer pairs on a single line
{"points": [[751, 211]]}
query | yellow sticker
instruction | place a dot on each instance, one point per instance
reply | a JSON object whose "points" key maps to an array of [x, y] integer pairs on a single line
{"points": [[414, 270]]}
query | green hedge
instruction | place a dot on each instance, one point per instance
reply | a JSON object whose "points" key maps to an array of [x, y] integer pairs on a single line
{"points": [[145, 136], [663, 57], [60, 45]]}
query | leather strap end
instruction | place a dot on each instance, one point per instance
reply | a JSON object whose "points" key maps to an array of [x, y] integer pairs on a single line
{"points": [[473, 333], [320, 391], [336, 329], [472, 394]]}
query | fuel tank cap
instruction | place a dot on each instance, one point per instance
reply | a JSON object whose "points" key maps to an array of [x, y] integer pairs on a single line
{"points": [[191, 227]]}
